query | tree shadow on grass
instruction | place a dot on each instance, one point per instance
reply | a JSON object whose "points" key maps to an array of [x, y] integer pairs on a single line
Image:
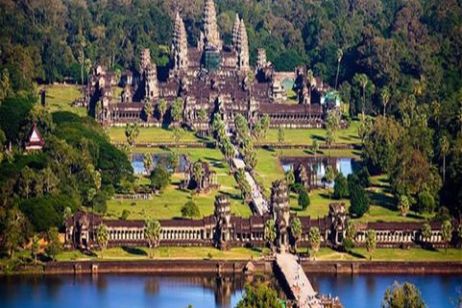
{"points": [[134, 251], [415, 216], [380, 199], [231, 196], [326, 196], [356, 255], [318, 138]]}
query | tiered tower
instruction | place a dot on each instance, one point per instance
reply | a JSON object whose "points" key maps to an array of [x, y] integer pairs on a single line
{"points": [[180, 45], [223, 218], [145, 60], [281, 212], [212, 37], [236, 30], [151, 84], [243, 48]]}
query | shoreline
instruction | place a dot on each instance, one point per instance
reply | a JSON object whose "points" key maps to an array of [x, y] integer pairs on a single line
{"points": [[226, 267]]}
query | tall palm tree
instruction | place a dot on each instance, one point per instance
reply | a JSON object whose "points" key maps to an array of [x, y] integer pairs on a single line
{"points": [[339, 59], [102, 237], [198, 173], [152, 232], [444, 149], [162, 108], [296, 230], [363, 81], [148, 109], [270, 233], [147, 162], [314, 236], [385, 95]]}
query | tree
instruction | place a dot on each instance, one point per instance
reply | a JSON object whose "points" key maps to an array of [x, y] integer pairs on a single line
{"points": [[371, 242], [132, 132], [402, 295], [50, 180], [350, 237], [14, 231], [290, 177], [404, 205], [190, 210], [359, 202], [315, 147], [444, 150], [265, 125], [26, 180], [147, 162], [259, 296], [152, 231], [160, 178], [198, 174], [339, 59], [176, 110], [426, 231], [296, 230], [270, 233], [177, 133], [102, 237], [385, 96], [314, 237], [148, 109], [330, 174], [446, 232], [303, 199], [425, 202], [54, 246], [34, 247], [125, 214], [162, 108], [333, 125], [363, 81], [67, 214], [340, 187], [281, 136]]}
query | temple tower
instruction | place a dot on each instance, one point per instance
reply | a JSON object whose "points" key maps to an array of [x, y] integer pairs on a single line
{"points": [[212, 37], [151, 84], [262, 62], [180, 45], [281, 212], [145, 60], [223, 218], [236, 30], [243, 48]]}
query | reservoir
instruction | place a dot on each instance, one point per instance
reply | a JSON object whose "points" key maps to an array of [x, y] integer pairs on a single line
{"points": [[138, 290]]}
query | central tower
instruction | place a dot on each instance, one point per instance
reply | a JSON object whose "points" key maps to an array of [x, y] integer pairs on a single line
{"points": [[211, 35]]}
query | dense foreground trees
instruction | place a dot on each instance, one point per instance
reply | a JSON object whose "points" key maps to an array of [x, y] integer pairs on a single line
{"points": [[403, 295]]}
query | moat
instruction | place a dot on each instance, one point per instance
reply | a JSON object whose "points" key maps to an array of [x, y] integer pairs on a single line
{"points": [[203, 291]]}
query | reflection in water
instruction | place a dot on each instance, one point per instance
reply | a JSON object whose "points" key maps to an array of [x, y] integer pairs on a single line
{"points": [[137, 160], [140, 290]]}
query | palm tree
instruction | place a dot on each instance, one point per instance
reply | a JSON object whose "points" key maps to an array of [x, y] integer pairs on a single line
{"points": [[446, 232], [444, 150], [147, 162], [339, 59], [314, 236], [296, 230], [176, 136], [148, 109], [152, 232], [371, 242], [385, 95], [162, 108], [270, 233], [132, 132], [363, 82], [102, 237], [177, 110]]}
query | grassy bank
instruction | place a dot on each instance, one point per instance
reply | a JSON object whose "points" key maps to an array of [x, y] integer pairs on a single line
{"points": [[59, 97]]}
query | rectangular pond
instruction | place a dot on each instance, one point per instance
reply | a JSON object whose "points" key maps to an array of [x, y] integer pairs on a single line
{"points": [[137, 161]]}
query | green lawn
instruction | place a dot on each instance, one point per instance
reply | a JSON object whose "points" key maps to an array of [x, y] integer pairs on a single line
{"points": [[153, 135], [59, 97], [170, 253], [168, 204], [389, 254], [306, 136]]}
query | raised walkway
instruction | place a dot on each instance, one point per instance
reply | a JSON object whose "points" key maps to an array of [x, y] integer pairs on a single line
{"points": [[299, 286]]}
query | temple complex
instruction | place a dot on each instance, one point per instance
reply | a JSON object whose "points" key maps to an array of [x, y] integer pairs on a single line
{"points": [[211, 77]]}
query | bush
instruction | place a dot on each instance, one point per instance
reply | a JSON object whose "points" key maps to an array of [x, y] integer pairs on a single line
{"points": [[358, 198], [125, 214], [340, 187], [190, 210], [303, 199], [160, 178], [364, 177], [425, 202], [100, 202], [297, 187]]}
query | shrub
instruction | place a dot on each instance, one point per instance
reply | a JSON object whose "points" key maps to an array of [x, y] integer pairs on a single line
{"points": [[425, 202], [303, 199], [358, 199], [160, 178], [125, 214], [340, 187], [190, 210]]}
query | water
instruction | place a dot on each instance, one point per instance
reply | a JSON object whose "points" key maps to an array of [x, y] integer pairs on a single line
{"points": [[138, 290], [137, 161], [344, 165]]}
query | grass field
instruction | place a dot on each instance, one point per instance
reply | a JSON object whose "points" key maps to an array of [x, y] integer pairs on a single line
{"points": [[306, 136], [152, 134], [170, 253], [59, 97], [168, 204], [388, 254]]}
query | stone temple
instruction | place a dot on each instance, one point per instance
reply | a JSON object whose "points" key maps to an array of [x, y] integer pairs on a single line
{"points": [[206, 79]]}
